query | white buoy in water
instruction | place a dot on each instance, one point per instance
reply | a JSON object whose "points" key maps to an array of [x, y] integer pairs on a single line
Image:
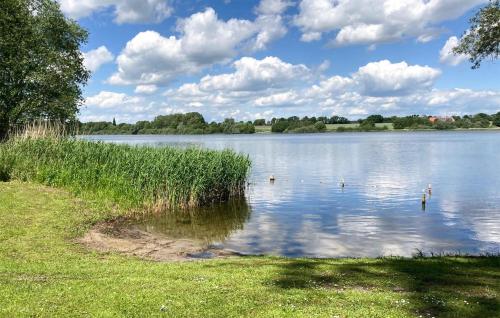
{"points": [[429, 188], [271, 178], [342, 182]]}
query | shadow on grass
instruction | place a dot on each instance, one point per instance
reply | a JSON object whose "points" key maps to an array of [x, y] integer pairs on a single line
{"points": [[438, 286]]}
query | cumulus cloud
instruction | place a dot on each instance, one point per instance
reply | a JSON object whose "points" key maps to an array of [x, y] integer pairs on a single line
{"points": [[271, 87], [94, 59], [204, 40], [279, 99], [270, 7], [106, 99], [252, 78], [125, 11], [252, 75], [377, 87], [145, 89], [272, 82], [446, 55], [366, 22], [385, 78], [107, 105]]}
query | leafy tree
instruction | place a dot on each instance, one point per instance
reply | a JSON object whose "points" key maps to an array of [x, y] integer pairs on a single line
{"points": [[482, 40], [320, 126], [496, 119], [41, 66], [375, 119], [259, 122], [338, 120]]}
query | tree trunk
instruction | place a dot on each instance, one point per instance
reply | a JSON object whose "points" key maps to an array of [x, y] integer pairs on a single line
{"points": [[4, 130]]}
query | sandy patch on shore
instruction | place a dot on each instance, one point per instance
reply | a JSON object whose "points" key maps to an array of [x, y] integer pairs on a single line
{"points": [[116, 236]]}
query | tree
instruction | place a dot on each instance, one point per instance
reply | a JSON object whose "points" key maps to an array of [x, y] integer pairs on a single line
{"points": [[259, 122], [375, 119], [41, 66], [496, 119], [482, 40], [114, 122]]}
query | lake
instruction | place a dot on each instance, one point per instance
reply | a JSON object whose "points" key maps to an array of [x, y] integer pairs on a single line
{"points": [[378, 212]]}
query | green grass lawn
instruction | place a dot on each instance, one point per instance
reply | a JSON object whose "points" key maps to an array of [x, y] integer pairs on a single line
{"points": [[44, 273], [329, 127], [263, 129], [333, 127]]}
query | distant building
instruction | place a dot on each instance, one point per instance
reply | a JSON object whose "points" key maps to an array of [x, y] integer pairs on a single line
{"points": [[434, 119]]}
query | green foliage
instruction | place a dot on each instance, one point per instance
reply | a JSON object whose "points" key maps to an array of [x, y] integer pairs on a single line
{"points": [[296, 125], [185, 124], [375, 119], [41, 66], [411, 122], [496, 119], [365, 126], [320, 126], [480, 120], [259, 122], [133, 177], [482, 40]]}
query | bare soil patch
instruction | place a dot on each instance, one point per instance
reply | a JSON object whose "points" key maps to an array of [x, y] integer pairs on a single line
{"points": [[117, 236]]}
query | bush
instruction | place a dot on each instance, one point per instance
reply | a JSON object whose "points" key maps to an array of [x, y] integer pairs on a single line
{"points": [[320, 126]]}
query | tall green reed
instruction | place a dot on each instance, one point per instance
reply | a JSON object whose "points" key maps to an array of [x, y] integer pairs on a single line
{"points": [[134, 177]]}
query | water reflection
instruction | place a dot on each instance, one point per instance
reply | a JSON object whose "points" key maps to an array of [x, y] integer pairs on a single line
{"points": [[210, 224], [306, 211]]}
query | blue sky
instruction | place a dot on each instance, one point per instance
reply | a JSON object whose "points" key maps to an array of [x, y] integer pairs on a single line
{"points": [[271, 58]]}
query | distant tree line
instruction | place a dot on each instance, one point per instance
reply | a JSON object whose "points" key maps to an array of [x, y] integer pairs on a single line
{"points": [[194, 123], [185, 124], [480, 120]]}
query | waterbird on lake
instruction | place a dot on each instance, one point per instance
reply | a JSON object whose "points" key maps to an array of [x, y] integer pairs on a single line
{"points": [[271, 178], [342, 182]]}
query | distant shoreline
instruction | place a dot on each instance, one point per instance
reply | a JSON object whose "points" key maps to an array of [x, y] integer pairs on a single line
{"points": [[268, 132]]}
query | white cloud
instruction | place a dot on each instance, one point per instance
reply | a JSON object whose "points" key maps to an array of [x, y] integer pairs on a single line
{"points": [[464, 100], [204, 40], [271, 7], [288, 98], [106, 99], [384, 78], [145, 89], [94, 59], [446, 55], [270, 28], [368, 22], [252, 75], [333, 85], [251, 79], [125, 11], [271, 87]]}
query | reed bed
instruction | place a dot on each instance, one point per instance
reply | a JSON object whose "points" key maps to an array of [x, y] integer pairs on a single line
{"points": [[134, 177]]}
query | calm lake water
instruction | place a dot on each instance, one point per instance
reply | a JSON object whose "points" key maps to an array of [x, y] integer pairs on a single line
{"points": [[306, 212]]}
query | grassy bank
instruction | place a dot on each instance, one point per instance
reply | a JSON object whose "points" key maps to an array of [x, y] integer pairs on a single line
{"points": [[44, 274], [132, 177], [332, 127]]}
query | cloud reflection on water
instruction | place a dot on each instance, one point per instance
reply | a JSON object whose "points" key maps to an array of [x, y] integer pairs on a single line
{"points": [[306, 213]]}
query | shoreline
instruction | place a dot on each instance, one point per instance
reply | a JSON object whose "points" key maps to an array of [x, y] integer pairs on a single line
{"points": [[311, 133], [46, 272], [117, 236]]}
